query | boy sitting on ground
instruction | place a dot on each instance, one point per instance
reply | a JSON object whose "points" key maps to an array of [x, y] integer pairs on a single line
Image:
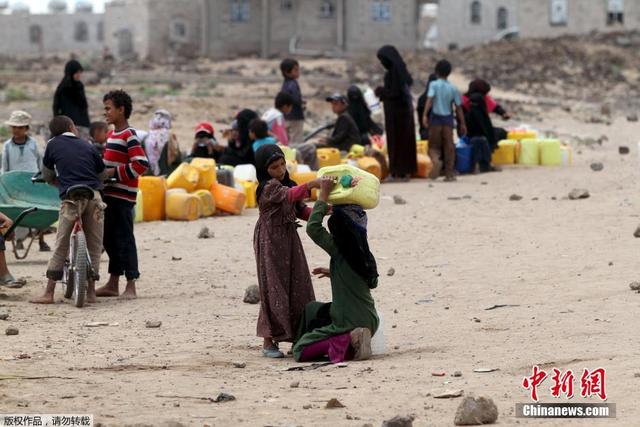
{"points": [[259, 134], [76, 163], [345, 132]]}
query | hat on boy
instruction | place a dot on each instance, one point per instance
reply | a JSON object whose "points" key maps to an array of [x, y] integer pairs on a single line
{"points": [[337, 97], [19, 119], [205, 127]]}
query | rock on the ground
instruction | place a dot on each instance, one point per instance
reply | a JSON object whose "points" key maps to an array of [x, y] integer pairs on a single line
{"points": [[295, 384], [205, 233], [515, 198], [153, 324], [4, 316], [578, 194], [334, 404], [597, 167], [398, 200], [239, 365], [635, 286], [11, 330], [391, 272], [637, 233], [623, 149], [252, 295], [632, 117], [475, 411], [399, 421]]}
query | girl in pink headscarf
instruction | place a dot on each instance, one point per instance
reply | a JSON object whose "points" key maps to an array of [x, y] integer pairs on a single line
{"points": [[159, 136]]}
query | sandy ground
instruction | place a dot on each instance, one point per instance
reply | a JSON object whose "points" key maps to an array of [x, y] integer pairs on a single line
{"points": [[565, 265]]}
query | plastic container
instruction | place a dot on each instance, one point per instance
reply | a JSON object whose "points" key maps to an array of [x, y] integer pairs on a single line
{"points": [[422, 147], [365, 194], [356, 152], [207, 170], [566, 151], [185, 176], [224, 176], [228, 199], [303, 169], [520, 134], [182, 206], [377, 341], [304, 177], [289, 153], [550, 152], [370, 165], [207, 203], [245, 173], [139, 212], [249, 189], [292, 166], [425, 166], [328, 157], [505, 154], [529, 152], [154, 189], [464, 159]]}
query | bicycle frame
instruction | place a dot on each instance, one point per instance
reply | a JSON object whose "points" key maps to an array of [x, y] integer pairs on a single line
{"points": [[77, 227]]}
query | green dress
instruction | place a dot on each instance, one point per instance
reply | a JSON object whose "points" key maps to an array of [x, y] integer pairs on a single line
{"points": [[352, 307]]}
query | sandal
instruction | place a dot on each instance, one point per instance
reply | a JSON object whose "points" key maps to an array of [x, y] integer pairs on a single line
{"points": [[272, 353]]}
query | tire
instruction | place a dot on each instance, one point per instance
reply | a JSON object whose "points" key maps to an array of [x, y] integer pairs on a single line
{"points": [[68, 281], [80, 272]]}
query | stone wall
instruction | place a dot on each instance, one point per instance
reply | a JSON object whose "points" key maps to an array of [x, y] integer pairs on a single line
{"points": [[63, 33]]}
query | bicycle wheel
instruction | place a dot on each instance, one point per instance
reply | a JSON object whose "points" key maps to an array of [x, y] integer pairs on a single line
{"points": [[67, 280], [80, 273]]}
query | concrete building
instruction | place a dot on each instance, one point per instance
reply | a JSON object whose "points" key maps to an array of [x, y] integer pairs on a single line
{"points": [[219, 28], [57, 32], [466, 22]]}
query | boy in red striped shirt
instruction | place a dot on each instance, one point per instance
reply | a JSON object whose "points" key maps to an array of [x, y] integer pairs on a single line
{"points": [[125, 160]]}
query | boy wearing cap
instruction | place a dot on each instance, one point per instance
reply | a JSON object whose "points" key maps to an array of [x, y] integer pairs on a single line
{"points": [[345, 132], [21, 153], [205, 144]]}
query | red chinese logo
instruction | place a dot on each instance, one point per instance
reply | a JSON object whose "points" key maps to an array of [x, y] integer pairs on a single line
{"points": [[532, 382], [592, 383]]}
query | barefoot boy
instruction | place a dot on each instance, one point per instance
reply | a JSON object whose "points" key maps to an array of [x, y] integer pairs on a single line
{"points": [[76, 163], [126, 161]]}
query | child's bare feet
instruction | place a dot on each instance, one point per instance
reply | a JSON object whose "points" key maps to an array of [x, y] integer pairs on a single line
{"points": [[130, 291], [47, 298], [110, 289], [91, 293]]}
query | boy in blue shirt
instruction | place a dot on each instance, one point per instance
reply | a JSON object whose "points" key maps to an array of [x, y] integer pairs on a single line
{"points": [[69, 161], [259, 134], [443, 101]]}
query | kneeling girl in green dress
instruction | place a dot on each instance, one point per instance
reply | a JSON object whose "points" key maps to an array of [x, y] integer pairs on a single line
{"points": [[340, 330]]}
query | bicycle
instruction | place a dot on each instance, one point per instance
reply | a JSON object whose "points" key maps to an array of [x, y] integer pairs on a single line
{"points": [[78, 269]]}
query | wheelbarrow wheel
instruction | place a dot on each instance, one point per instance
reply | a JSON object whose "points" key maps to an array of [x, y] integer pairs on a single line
{"points": [[68, 281], [80, 270]]}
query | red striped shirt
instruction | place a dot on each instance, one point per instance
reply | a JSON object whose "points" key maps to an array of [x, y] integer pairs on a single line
{"points": [[125, 153]]}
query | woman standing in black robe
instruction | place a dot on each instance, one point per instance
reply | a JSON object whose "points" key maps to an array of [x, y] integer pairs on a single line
{"points": [[70, 99], [398, 114]]}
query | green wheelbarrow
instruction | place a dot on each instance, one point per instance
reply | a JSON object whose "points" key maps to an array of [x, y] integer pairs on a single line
{"points": [[18, 194]]}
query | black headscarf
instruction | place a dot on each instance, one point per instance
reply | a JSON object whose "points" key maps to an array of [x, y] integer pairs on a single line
{"points": [[478, 86], [397, 76], [240, 151], [243, 119], [360, 112], [70, 99], [266, 155], [422, 101], [478, 120], [348, 227]]}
